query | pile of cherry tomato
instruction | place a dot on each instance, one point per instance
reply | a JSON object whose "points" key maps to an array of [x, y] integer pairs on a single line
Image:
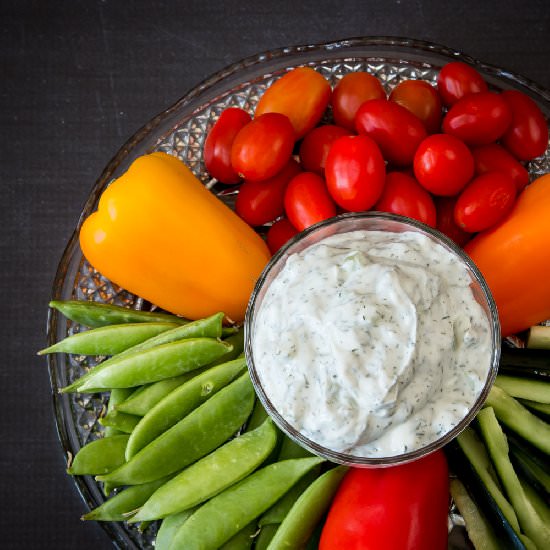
{"points": [[451, 156]]}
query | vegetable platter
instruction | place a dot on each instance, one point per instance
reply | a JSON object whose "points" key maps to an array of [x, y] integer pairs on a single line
{"points": [[181, 131]]}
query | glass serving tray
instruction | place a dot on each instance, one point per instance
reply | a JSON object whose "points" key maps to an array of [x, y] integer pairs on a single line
{"points": [[181, 131]]}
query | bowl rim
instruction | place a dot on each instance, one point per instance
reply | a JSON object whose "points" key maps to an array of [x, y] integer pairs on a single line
{"points": [[343, 220]]}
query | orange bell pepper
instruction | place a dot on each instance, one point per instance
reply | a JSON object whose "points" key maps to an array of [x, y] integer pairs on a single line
{"points": [[514, 258], [160, 234]]}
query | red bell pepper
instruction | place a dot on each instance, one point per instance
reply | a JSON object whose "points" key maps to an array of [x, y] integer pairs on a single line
{"points": [[400, 507]]}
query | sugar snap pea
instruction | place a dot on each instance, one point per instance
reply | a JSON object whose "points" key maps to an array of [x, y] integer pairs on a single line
{"points": [[118, 507], [224, 515], [277, 513], [181, 402], [146, 397], [116, 396], [301, 520], [243, 540], [199, 433], [95, 314], [169, 527], [99, 456], [123, 422], [209, 327], [108, 340], [212, 474], [265, 536], [164, 361]]}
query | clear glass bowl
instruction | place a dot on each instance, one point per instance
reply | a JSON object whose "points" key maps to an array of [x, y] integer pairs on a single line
{"points": [[387, 223], [181, 131]]}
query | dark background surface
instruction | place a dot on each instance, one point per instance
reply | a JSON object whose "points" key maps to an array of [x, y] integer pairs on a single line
{"points": [[78, 78]]}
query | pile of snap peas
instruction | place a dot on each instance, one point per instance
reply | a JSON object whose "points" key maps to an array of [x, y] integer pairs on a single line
{"points": [[186, 442]]}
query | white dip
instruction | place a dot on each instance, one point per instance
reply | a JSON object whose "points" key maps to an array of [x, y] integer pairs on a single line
{"points": [[372, 343]]}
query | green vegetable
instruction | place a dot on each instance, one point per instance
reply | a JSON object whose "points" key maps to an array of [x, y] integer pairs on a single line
{"points": [[477, 456], [526, 388], [530, 522], [124, 423], [212, 474], [524, 362], [108, 340], [210, 327], [199, 433], [543, 408], [169, 527], [164, 361], [301, 520], [479, 529], [180, 402], [94, 314], [99, 456], [538, 337], [514, 415], [121, 505], [243, 540], [527, 461], [224, 515], [116, 396]]}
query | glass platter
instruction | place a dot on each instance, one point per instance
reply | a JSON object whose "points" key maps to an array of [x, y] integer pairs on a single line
{"points": [[180, 131]]}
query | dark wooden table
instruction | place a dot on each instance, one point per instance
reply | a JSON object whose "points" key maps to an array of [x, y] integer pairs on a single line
{"points": [[78, 79]]}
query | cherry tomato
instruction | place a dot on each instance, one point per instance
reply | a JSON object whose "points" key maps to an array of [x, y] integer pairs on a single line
{"points": [[456, 80], [493, 157], [399, 508], [443, 164], [395, 129], [527, 135], [279, 234], [355, 172], [263, 147], [217, 146], [422, 100], [445, 208], [403, 195], [352, 90], [478, 119], [302, 95], [260, 202], [485, 201], [316, 144], [307, 201]]}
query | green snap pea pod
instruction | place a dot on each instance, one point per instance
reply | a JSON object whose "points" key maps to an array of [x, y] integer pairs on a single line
{"points": [[108, 340], [210, 327], [144, 525], [146, 397], [277, 513], [265, 536], [165, 361], [198, 434], [220, 518], [123, 422], [99, 456], [291, 449], [169, 527], [257, 417], [181, 402], [212, 474], [301, 520], [116, 396], [94, 314], [243, 540], [118, 507]]}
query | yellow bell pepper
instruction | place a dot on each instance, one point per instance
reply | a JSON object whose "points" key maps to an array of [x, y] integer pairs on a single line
{"points": [[160, 234]]}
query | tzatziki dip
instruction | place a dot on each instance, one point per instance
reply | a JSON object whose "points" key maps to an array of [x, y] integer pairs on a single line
{"points": [[372, 343]]}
